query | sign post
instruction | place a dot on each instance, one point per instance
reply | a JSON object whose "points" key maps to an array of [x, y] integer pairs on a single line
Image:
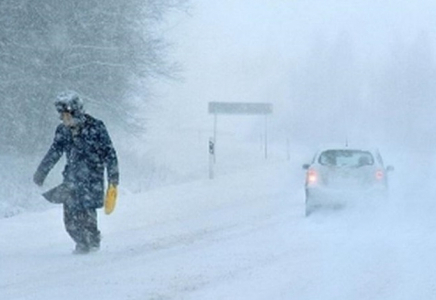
{"points": [[239, 108], [211, 157]]}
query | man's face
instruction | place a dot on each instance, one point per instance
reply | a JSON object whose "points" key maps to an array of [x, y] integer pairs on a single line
{"points": [[67, 119]]}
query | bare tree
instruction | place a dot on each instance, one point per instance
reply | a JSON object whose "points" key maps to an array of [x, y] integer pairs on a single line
{"points": [[99, 48]]}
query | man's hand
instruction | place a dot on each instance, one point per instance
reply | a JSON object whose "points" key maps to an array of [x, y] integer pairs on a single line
{"points": [[38, 178]]}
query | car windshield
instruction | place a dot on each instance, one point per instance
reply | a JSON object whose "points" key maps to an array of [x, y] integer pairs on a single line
{"points": [[346, 158]]}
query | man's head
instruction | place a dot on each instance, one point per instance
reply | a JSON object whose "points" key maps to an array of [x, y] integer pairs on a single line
{"points": [[70, 107]]}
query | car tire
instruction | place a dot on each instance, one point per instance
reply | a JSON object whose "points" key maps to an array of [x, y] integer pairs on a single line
{"points": [[308, 210], [308, 207]]}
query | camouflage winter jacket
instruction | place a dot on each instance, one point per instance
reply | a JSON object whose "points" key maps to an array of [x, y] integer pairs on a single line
{"points": [[88, 150]]}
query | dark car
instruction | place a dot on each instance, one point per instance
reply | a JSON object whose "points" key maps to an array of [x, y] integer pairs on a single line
{"points": [[338, 176]]}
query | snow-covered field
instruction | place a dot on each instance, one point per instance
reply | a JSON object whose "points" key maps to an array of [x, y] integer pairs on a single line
{"points": [[242, 235]]}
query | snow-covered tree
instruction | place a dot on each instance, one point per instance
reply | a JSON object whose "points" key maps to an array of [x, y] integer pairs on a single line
{"points": [[102, 49]]}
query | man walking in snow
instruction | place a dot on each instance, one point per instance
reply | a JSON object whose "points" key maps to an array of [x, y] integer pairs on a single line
{"points": [[89, 150]]}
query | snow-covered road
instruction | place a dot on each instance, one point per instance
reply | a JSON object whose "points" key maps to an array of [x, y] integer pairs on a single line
{"points": [[240, 236]]}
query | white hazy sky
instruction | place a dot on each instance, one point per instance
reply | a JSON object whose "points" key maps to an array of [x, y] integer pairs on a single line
{"points": [[243, 50]]}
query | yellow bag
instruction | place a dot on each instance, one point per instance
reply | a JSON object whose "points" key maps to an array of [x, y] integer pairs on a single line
{"points": [[111, 199]]}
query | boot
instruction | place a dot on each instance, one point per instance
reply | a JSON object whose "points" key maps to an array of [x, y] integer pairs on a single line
{"points": [[81, 249]]}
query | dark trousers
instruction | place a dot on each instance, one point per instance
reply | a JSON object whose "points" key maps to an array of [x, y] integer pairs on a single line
{"points": [[81, 225]]}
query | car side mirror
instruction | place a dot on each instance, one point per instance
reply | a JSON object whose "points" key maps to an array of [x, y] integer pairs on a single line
{"points": [[306, 166], [390, 168]]}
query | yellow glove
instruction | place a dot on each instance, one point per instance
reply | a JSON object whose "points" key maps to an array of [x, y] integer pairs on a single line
{"points": [[111, 199]]}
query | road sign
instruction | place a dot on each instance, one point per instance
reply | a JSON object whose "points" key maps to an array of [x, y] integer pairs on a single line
{"points": [[236, 108], [240, 108]]}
